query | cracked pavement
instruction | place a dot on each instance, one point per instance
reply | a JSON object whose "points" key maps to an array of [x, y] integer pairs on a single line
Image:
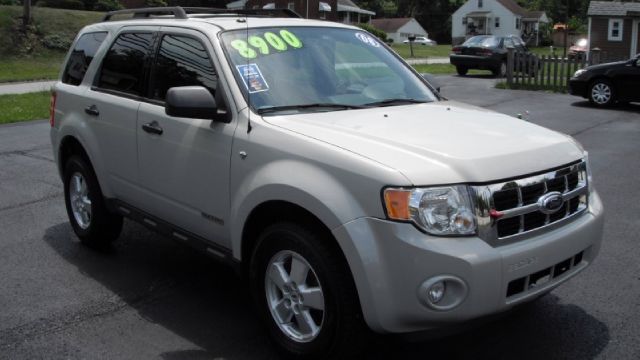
{"points": [[150, 297]]}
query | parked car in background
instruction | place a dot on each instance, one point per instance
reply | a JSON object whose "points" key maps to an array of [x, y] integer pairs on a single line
{"points": [[606, 84], [487, 52], [578, 49], [422, 40]]}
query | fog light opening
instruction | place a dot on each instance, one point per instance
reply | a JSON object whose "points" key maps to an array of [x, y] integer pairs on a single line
{"points": [[443, 292]]}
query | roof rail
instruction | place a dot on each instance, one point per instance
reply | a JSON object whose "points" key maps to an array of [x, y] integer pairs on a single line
{"points": [[176, 11], [247, 12], [182, 12]]}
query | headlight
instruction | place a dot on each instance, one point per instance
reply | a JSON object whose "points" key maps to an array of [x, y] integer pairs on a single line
{"points": [[446, 210], [589, 176], [579, 72]]}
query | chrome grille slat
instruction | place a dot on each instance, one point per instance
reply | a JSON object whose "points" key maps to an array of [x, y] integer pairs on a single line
{"points": [[517, 216]]}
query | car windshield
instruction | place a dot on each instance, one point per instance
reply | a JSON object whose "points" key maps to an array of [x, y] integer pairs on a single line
{"points": [[302, 69], [484, 41]]}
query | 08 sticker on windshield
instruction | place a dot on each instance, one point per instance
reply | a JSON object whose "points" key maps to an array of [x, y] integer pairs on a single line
{"points": [[267, 43], [367, 39], [252, 78]]}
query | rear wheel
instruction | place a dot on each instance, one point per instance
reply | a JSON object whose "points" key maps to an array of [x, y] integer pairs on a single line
{"points": [[601, 93], [88, 215], [305, 293], [501, 70], [462, 71]]}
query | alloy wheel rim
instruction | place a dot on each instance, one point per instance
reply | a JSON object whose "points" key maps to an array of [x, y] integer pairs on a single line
{"points": [[601, 93], [294, 296], [79, 199]]}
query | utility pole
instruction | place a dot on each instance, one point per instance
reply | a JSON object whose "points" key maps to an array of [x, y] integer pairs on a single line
{"points": [[566, 29]]}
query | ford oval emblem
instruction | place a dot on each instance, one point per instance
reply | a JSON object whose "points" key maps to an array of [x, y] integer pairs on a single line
{"points": [[550, 203]]}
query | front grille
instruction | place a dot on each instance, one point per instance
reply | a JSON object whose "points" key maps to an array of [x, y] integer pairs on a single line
{"points": [[509, 209], [544, 276]]}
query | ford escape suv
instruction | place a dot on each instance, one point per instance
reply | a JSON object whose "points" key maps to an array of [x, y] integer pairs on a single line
{"points": [[314, 160]]}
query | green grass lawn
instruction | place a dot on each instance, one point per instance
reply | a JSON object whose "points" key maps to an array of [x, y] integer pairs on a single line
{"points": [[40, 56], [42, 67], [445, 69], [24, 107], [422, 51]]}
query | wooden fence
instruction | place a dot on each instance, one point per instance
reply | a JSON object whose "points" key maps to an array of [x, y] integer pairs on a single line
{"points": [[529, 71]]}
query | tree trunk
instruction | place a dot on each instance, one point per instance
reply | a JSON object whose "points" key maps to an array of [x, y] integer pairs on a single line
{"points": [[26, 14]]}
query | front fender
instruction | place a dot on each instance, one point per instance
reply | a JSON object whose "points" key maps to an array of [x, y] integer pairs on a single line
{"points": [[297, 182]]}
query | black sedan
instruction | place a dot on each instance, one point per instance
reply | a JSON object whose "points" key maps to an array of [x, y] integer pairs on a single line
{"points": [[487, 52], [606, 84]]}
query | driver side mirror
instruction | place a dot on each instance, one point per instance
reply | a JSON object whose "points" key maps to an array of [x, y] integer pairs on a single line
{"points": [[195, 102]]}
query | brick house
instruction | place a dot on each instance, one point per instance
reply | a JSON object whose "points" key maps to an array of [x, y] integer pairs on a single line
{"points": [[614, 28]]}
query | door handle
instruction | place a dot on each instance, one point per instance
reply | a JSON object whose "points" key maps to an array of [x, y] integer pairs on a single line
{"points": [[92, 110], [152, 128]]}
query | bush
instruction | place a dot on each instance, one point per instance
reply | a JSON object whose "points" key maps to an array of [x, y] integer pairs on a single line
{"points": [[107, 5], [57, 41], [10, 2], [155, 3], [375, 31], [63, 4]]}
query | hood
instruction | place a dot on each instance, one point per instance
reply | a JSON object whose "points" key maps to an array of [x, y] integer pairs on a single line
{"points": [[606, 65], [439, 143]]}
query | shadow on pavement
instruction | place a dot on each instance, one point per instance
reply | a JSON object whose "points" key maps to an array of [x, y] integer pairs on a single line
{"points": [[632, 107], [478, 76], [207, 304]]}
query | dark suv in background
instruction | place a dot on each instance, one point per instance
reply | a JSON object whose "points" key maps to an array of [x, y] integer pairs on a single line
{"points": [[486, 52]]}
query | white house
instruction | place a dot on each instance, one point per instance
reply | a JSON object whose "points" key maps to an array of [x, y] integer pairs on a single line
{"points": [[496, 17], [399, 29]]}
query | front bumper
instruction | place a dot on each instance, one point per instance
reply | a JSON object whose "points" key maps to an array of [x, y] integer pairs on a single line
{"points": [[578, 87], [390, 261]]}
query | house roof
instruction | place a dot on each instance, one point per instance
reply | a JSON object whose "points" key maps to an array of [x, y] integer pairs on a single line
{"points": [[390, 25], [613, 8], [349, 6], [513, 7]]}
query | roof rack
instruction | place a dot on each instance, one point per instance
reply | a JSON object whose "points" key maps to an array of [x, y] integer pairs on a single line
{"points": [[179, 12]]}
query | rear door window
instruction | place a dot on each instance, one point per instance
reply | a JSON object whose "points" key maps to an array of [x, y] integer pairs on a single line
{"points": [[182, 61], [81, 57], [124, 66]]}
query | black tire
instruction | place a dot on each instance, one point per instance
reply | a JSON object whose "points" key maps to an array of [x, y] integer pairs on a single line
{"points": [[103, 226], [343, 332], [602, 93], [500, 71], [462, 71]]}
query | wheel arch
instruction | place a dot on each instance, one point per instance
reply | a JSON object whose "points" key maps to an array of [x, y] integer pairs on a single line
{"points": [[273, 211], [71, 145]]}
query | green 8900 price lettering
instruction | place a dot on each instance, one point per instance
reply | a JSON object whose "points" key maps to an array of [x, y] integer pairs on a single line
{"points": [[262, 45]]}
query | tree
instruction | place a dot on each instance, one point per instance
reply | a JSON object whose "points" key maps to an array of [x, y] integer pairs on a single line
{"points": [[26, 13]]}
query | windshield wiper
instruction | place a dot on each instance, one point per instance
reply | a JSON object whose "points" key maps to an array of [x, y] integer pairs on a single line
{"points": [[270, 109], [391, 102]]}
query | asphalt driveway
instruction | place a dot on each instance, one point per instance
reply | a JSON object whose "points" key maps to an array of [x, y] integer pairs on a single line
{"points": [[152, 298]]}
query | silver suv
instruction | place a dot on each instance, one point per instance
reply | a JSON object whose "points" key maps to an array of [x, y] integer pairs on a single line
{"points": [[314, 160]]}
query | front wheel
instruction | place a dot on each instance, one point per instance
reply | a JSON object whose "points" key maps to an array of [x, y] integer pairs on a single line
{"points": [[601, 93], [88, 215], [305, 293], [462, 71]]}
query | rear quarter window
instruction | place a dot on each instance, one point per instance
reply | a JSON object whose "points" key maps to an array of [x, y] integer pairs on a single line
{"points": [[81, 57]]}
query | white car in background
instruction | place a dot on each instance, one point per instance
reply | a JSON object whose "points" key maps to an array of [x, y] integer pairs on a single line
{"points": [[422, 40]]}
